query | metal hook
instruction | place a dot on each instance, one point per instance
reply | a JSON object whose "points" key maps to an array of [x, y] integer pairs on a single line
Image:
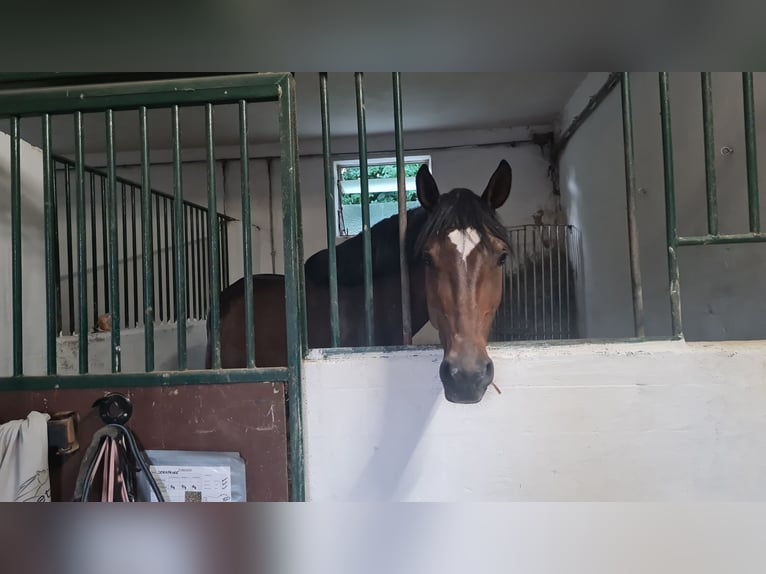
{"points": [[114, 408]]}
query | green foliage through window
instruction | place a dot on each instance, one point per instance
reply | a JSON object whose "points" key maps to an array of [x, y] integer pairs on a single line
{"points": [[383, 171]]}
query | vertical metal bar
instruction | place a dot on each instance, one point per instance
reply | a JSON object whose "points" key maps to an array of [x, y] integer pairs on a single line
{"points": [[179, 225], [168, 247], [534, 274], [541, 230], [82, 247], [114, 269], [558, 278], [147, 244], [16, 269], [57, 251], [205, 260], [526, 284], [365, 192], [329, 195], [751, 153], [247, 241], [93, 245], [195, 268], [135, 253], [189, 262], [630, 189], [104, 246], [224, 252], [710, 179], [69, 247], [125, 277], [212, 212], [50, 248], [567, 238], [551, 286], [520, 295], [293, 262], [671, 229], [402, 196], [160, 297], [200, 271]]}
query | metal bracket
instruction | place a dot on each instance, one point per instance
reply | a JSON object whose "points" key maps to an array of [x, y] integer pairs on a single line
{"points": [[114, 408], [62, 432]]}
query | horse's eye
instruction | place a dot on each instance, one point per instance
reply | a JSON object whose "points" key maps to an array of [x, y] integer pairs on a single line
{"points": [[427, 259], [501, 260]]}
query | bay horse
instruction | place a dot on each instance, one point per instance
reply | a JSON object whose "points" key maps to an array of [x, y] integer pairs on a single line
{"points": [[456, 246]]}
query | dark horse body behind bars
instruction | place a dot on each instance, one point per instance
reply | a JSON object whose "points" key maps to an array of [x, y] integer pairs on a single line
{"points": [[455, 246]]}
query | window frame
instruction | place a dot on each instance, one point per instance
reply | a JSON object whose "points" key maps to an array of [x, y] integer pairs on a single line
{"points": [[340, 232]]}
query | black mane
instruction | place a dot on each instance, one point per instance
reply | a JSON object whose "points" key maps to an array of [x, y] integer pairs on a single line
{"points": [[384, 237], [458, 209], [461, 209]]}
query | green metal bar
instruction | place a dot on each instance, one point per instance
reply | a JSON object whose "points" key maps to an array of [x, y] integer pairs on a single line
{"points": [[259, 87], [147, 244], [723, 239], [168, 248], [93, 245], [247, 241], [104, 246], [136, 380], [289, 161], [178, 229], [70, 247], [710, 179], [329, 195], [365, 196], [671, 228], [134, 241], [16, 270], [125, 277], [114, 270], [128, 182], [213, 254], [56, 255], [630, 188], [51, 248], [402, 197], [82, 247], [751, 153], [160, 292]]}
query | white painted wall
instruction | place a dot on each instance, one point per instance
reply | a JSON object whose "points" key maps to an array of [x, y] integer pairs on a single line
{"points": [[655, 421], [132, 345], [33, 260], [721, 286]]}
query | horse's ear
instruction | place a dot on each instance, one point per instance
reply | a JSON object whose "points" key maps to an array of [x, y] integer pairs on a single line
{"points": [[499, 186], [428, 191]]}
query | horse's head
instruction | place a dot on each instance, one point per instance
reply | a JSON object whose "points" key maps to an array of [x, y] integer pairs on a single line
{"points": [[464, 245]]}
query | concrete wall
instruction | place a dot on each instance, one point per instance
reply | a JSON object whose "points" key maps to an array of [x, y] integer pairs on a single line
{"points": [[656, 421], [132, 345], [721, 286], [33, 260]]}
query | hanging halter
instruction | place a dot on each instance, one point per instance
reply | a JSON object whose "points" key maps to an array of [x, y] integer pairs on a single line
{"points": [[113, 451]]}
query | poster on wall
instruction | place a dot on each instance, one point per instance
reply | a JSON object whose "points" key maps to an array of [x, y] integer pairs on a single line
{"points": [[192, 476]]}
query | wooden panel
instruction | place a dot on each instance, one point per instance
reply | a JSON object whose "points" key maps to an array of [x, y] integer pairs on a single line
{"points": [[244, 418]]}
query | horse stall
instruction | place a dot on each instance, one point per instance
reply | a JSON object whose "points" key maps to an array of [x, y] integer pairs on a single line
{"points": [[167, 245]]}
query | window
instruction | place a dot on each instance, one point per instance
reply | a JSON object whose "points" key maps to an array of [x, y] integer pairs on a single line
{"points": [[383, 188]]}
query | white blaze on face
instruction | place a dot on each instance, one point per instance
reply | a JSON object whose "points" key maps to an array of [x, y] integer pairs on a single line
{"points": [[465, 241]]}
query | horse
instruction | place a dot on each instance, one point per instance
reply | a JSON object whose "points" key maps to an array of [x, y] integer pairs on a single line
{"points": [[456, 247]]}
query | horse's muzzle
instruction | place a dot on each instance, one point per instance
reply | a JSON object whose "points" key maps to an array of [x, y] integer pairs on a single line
{"points": [[466, 382]]}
